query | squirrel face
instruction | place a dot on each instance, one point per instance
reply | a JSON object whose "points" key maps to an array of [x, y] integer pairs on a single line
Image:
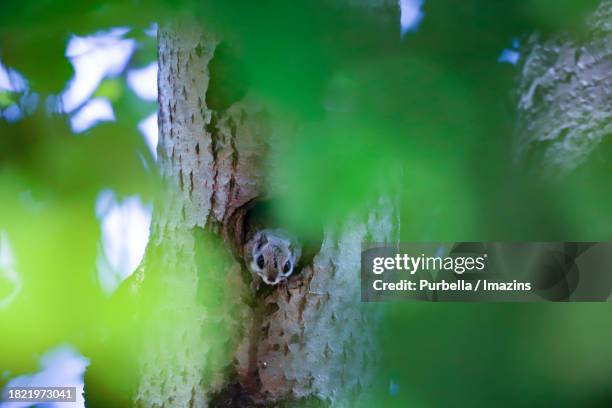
{"points": [[272, 255]]}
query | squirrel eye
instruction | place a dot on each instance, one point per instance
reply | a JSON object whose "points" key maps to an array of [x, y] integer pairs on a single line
{"points": [[260, 261], [287, 267]]}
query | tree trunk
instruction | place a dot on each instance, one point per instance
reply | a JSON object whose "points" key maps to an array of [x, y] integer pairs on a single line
{"points": [[565, 97], [209, 341]]}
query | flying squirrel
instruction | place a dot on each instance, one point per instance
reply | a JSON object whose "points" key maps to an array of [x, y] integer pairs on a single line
{"points": [[269, 252]]}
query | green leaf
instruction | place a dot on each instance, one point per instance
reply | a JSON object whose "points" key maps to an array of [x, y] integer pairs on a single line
{"points": [[7, 98], [111, 89]]}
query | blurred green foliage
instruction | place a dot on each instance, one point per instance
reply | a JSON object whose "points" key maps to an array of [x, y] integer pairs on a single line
{"points": [[6, 99], [49, 180], [429, 116], [502, 355]]}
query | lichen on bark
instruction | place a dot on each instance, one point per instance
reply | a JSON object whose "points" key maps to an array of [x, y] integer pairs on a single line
{"points": [[565, 97]]}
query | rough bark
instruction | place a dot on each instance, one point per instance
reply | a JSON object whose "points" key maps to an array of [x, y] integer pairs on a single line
{"points": [[181, 359], [565, 97], [308, 338], [318, 341]]}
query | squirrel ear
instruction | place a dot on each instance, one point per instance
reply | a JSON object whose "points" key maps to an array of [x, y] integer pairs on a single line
{"points": [[261, 240]]}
